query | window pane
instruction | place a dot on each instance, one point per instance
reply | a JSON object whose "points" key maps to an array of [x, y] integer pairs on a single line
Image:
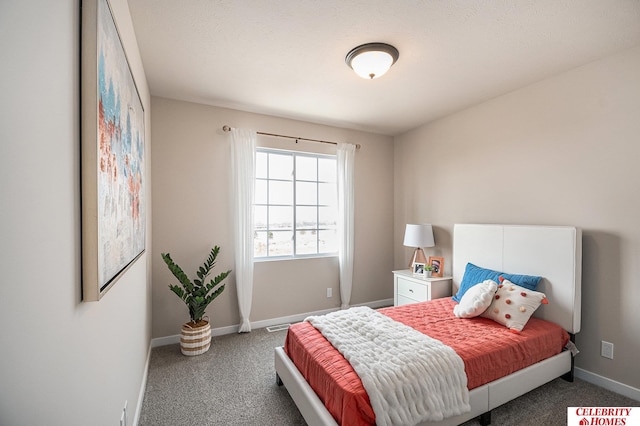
{"points": [[280, 243], [328, 217], [313, 199], [280, 217], [260, 218], [261, 191], [327, 241], [306, 242], [261, 165], [306, 193], [328, 194], [281, 166], [260, 243], [306, 217], [327, 170], [306, 168], [280, 192]]}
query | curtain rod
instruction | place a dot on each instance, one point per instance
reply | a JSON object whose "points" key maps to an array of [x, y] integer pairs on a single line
{"points": [[226, 128]]}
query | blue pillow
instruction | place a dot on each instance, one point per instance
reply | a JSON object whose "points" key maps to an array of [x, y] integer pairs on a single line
{"points": [[475, 275]]}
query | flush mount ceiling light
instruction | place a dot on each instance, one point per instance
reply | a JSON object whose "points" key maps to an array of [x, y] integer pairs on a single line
{"points": [[372, 60]]}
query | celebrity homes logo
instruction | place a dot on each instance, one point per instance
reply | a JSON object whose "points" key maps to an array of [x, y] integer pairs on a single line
{"points": [[603, 416]]}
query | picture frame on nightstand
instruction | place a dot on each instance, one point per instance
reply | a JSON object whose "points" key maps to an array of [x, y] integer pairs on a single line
{"points": [[418, 268], [437, 265]]}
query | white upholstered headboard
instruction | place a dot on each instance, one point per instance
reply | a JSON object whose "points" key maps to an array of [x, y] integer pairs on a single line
{"points": [[552, 252]]}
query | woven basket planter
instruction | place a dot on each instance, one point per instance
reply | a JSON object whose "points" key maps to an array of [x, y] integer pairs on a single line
{"points": [[195, 339]]}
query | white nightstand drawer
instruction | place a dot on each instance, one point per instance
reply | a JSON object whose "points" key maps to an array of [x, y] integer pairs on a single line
{"points": [[412, 290], [409, 288]]}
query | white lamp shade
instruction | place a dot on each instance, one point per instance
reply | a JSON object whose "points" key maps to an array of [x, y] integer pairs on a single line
{"points": [[418, 236], [372, 64]]}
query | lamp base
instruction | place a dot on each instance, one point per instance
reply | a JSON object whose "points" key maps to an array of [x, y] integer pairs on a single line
{"points": [[418, 257]]}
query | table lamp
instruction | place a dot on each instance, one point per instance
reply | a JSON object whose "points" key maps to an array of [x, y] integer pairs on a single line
{"points": [[418, 236]]}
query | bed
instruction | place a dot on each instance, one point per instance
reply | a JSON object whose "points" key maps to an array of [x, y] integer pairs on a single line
{"points": [[552, 252]]}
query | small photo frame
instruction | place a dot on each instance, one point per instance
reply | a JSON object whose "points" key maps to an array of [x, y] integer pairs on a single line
{"points": [[418, 268], [437, 265]]}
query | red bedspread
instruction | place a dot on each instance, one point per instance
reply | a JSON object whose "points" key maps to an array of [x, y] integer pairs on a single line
{"points": [[488, 349]]}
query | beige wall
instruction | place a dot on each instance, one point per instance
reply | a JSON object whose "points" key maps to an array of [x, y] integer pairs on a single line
{"points": [[63, 362], [191, 213], [564, 151]]}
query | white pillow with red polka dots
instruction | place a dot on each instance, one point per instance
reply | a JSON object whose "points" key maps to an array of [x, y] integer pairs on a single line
{"points": [[512, 305], [476, 300]]}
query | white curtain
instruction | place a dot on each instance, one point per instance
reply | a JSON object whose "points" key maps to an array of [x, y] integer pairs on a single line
{"points": [[243, 158], [346, 160]]}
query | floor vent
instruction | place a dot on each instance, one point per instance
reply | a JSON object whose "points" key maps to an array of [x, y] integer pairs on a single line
{"points": [[279, 327]]}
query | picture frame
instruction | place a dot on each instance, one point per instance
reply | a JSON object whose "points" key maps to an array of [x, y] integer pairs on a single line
{"points": [[437, 265], [112, 154], [418, 268]]}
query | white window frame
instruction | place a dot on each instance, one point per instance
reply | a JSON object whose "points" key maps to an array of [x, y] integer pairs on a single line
{"points": [[317, 205]]}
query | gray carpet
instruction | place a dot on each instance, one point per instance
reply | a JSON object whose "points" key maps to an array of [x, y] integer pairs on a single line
{"points": [[234, 384]]}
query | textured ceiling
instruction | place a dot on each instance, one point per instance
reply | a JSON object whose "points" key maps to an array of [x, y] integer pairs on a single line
{"points": [[286, 58]]}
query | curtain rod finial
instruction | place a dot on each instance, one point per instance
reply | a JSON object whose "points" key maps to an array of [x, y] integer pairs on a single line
{"points": [[226, 128]]}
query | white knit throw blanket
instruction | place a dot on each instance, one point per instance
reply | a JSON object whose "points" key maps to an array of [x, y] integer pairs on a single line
{"points": [[409, 376]]}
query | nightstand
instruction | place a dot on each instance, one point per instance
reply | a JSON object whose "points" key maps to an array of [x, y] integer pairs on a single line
{"points": [[410, 288]]}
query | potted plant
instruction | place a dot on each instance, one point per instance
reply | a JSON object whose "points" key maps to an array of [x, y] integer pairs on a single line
{"points": [[195, 338], [428, 270]]}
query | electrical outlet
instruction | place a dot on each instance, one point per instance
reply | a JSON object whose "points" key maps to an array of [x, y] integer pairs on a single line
{"points": [[606, 349], [329, 292]]}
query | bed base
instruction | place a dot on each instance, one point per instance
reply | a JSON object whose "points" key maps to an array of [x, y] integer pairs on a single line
{"points": [[568, 376], [482, 399]]}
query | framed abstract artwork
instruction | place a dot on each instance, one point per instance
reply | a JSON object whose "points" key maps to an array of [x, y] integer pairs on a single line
{"points": [[112, 155]]}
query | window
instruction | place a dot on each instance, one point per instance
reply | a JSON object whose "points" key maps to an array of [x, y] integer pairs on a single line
{"points": [[295, 204]]}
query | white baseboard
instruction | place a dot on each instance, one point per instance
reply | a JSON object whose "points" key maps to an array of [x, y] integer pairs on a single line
{"points": [[220, 331], [377, 303], [143, 388], [170, 340], [606, 383]]}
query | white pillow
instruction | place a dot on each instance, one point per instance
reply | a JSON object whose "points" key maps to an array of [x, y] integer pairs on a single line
{"points": [[476, 300], [512, 305]]}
